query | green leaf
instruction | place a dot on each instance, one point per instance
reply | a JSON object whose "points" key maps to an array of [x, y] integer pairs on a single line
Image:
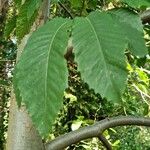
{"points": [[10, 25], [41, 74], [129, 17], [4, 83], [137, 3], [99, 45], [76, 3], [18, 3], [92, 4], [32, 7], [17, 92], [26, 17], [133, 28]]}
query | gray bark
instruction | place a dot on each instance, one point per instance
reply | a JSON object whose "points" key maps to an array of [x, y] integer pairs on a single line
{"points": [[95, 130], [22, 135]]}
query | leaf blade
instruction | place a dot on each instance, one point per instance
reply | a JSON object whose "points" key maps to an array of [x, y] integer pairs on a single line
{"points": [[133, 29], [93, 37], [42, 80]]}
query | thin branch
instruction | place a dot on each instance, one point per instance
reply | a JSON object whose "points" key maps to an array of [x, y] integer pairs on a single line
{"points": [[145, 16], [95, 130], [83, 3], [64, 7], [7, 60], [140, 91], [105, 142], [46, 10], [145, 70]]}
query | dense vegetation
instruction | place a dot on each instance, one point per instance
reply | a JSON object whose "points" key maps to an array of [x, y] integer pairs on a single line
{"points": [[84, 104]]}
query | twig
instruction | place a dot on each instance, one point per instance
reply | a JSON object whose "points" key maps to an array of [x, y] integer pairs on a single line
{"points": [[140, 91], [83, 3], [64, 7], [105, 142], [7, 60], [147, 71], [95, 130], [46, 10], [145, 16]]}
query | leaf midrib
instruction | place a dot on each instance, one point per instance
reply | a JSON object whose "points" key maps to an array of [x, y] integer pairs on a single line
{"points": [[47, 64], [99, 46]]}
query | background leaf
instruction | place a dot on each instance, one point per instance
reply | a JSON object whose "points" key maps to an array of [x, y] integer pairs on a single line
{"points": [[76, 3], [137, 3], [43, 79], [33, 6], [26, 17], [10, 26], [18, 3]]}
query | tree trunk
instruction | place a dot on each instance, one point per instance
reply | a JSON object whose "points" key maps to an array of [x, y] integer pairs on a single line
{"points": [[22, 134]]}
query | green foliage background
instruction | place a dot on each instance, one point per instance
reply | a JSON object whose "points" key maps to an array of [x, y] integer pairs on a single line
{"points": [[82, 106]]}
